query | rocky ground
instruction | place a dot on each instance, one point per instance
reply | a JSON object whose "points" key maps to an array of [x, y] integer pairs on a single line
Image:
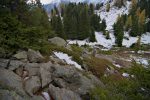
{"points": [[28, 75]]}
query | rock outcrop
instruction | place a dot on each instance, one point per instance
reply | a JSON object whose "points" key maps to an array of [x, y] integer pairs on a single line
{"points": [[4, 63], [45, 73], [34, 56], [58, 41], [62, 94], [10, 81], [21, 55], [32, 85], [22, 79]]}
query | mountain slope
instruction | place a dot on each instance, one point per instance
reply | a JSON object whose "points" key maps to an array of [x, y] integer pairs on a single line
{"points": [[53, 3]]}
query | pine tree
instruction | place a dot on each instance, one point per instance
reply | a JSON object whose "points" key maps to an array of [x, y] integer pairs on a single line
{"points": [[103, 25], [92, 36], [119, 3], [138, 44], [118, 31], [22, 25], [98, 6], [108, 7], [133, 7], [141, 22], [84, 24], [91, 9], [138, 12], [59, 28], [128, 24], [107, 35], [95, 22]]}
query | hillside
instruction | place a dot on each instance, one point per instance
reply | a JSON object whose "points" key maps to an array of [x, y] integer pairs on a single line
{"points": [[75, 50]]}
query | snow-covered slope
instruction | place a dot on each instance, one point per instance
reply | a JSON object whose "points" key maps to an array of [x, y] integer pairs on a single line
{"points": [[111, 16], [108, 43], [77, 1]]}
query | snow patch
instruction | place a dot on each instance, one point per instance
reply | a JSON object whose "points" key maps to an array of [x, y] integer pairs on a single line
{"points": [[142, 61], [117, 65], [145, 38], [46, 95], [128, 42], [68, 59], [125, 75], [101, 39]]}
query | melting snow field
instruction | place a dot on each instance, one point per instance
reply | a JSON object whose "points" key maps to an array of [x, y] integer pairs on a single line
{"points": [[68, 59], [108, 43]]}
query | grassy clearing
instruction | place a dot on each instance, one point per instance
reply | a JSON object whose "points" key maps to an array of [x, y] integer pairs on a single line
{"points": [[97, 66]]}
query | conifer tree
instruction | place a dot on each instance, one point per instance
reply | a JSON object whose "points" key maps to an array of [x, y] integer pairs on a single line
{"points": [[92, 36], [118, 31], [107, 35], [128, 24], [141, 22], [95, 22], [103, 25], [138, 44], [108, 7], [84, 29], [133, 7]]}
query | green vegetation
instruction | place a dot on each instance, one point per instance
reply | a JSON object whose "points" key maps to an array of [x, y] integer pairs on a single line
{"points": [[78, 21], [108, 7], [135, 22], [22, 26], [109, 52], [119, 3], [120, 88], [118, 31]]}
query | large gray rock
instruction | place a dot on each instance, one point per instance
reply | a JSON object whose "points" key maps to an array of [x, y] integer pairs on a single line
{"points": [[68, 73], [85, 85], [21, 55], [32, 68], [45, 73], [9, 80], [70, 78], [37, 98], [14, 64], [62, 94], [9, 95], [32, 85], [19, 71], [58, 41], [4, 63], [34, 56], [61, 83]]}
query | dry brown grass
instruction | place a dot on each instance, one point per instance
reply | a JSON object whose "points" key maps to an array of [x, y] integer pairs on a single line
{"points": [[97, 66]]}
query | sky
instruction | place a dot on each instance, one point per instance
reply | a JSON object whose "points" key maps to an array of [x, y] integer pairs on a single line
{"points": [[45, 1]]}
